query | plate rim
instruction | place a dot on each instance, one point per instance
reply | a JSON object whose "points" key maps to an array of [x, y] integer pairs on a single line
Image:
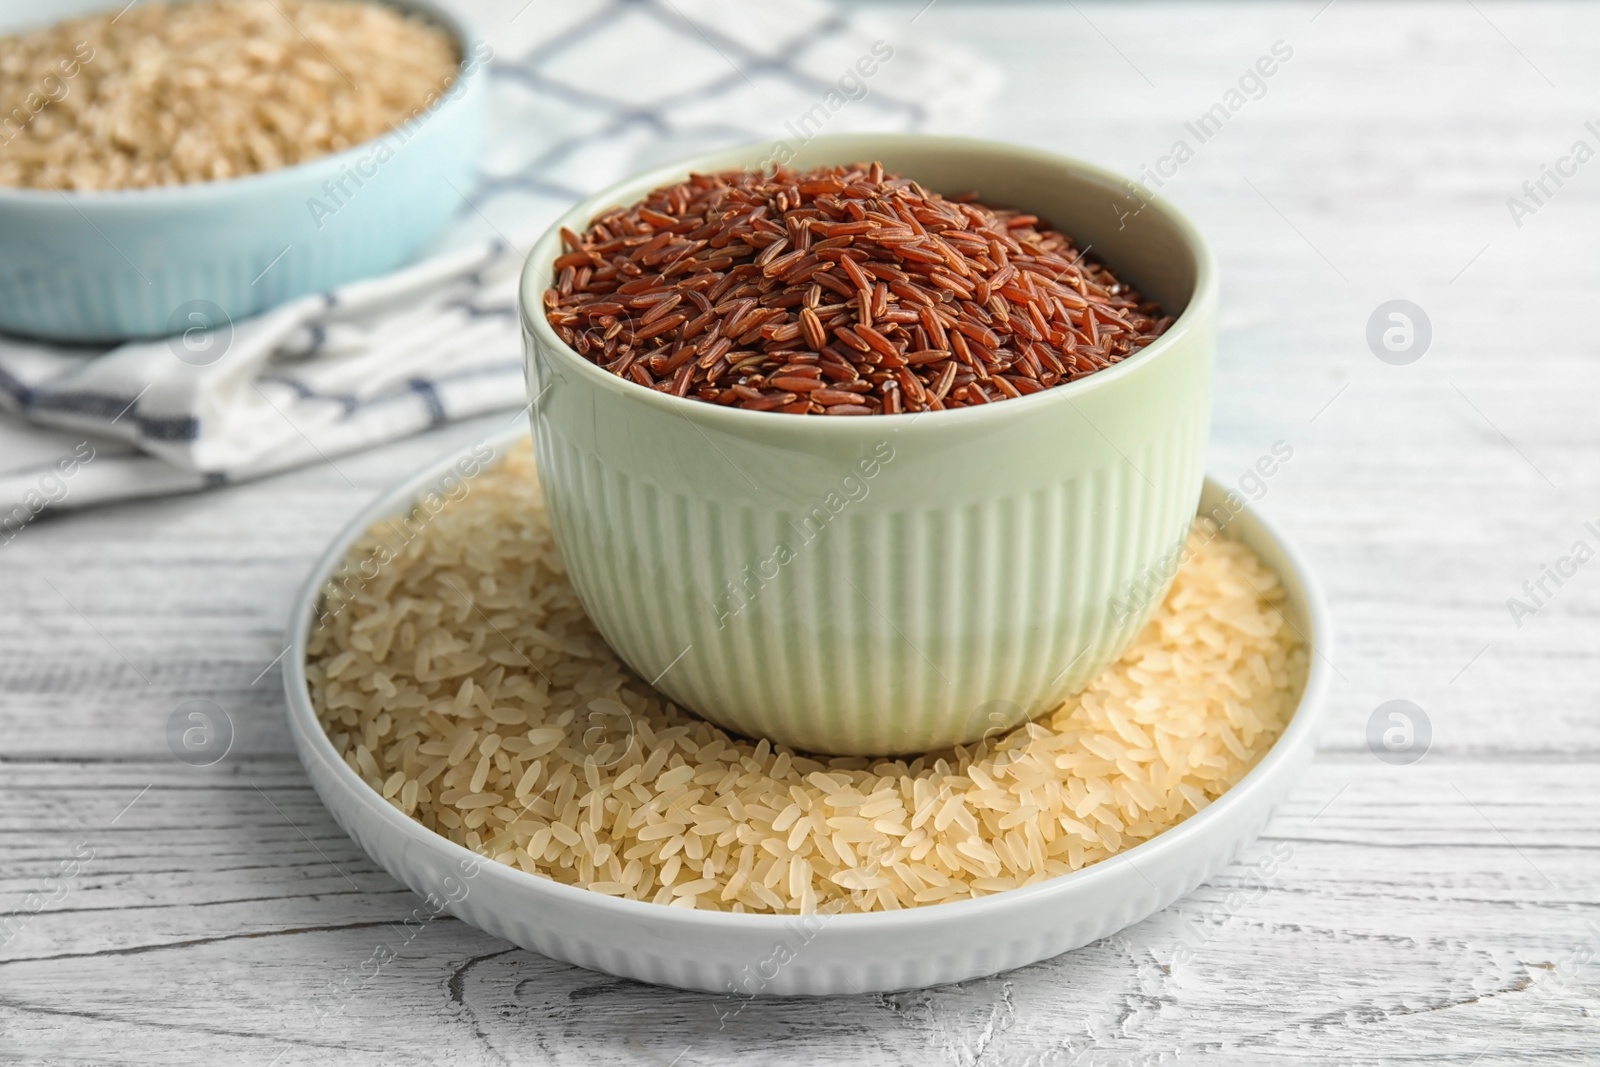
{"points": [[310, 738]]}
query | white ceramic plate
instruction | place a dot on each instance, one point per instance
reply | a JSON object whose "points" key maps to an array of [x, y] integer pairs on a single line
{"points": [[817, 955]]}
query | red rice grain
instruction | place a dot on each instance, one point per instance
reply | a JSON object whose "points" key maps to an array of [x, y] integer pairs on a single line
{"points": [[838, 291]]}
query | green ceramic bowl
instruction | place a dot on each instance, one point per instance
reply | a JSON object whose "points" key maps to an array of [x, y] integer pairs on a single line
{"points": [[893, 583]]}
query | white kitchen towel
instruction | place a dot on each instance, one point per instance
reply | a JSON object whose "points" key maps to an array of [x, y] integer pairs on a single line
{"points": [[585, 92]]}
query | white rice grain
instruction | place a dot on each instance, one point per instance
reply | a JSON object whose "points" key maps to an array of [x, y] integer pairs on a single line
{"points": [[503, 754]]}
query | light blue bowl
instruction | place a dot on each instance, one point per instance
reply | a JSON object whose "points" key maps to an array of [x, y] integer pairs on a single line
{"points": [[107, 265]]}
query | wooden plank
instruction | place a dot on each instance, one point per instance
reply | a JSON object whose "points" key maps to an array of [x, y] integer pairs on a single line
{"points": [[1445, 911]]}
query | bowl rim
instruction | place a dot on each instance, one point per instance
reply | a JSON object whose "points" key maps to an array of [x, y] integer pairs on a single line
{"points": [[449, 17], [312, 741], [1194, 318]]}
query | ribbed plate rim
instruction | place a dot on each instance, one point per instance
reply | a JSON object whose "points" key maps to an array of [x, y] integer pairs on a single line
{"points": [[311, 739]]}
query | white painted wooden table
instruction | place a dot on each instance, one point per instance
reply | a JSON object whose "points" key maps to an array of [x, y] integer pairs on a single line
{"points": [[1446, 910]]}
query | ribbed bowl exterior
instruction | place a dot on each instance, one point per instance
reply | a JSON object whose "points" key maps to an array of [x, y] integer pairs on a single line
{"points": [[739, 956], [116, 264], [891, 584], [977, 579]]}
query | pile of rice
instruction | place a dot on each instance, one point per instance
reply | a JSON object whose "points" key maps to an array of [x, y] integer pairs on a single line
{"points": [[457, 674], [160, 94]]}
